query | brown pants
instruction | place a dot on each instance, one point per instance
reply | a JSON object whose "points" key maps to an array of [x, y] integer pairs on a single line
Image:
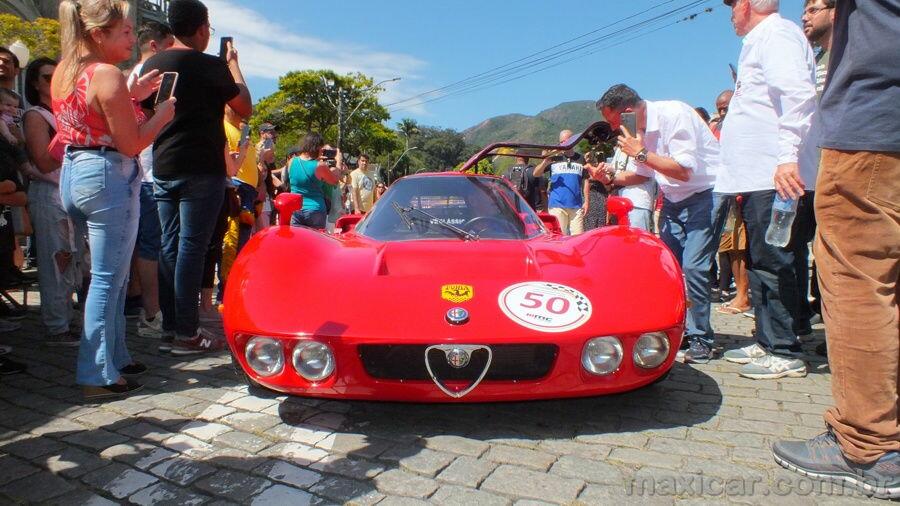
{"points": [[858, 256]]}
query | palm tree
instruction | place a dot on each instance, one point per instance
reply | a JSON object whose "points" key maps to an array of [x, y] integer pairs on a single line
{"points": [[408, 127]]}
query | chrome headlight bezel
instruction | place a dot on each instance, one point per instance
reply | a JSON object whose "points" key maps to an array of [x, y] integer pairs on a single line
{"points": [[609, 346], [324, 371], [660, 350], [256, 361]]}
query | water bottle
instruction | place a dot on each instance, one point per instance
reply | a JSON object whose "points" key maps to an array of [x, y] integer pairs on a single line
{"points": [[783, 212]]}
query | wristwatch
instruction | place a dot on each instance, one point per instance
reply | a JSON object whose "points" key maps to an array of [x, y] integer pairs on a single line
{"points": [[642, 155]]}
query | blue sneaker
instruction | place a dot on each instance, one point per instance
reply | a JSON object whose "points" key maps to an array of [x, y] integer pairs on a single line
{"points": [[821, 458]]}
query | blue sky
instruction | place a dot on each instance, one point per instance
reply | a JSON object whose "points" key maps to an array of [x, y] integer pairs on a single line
{"points": [[430, 44]]}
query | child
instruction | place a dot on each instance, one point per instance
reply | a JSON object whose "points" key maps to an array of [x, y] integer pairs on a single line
{"points": [[9, 117]]}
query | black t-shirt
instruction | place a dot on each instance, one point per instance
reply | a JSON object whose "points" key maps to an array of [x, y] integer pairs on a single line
{"points": [[860, 109], [522, 177], [194, 142], [11, 158]]}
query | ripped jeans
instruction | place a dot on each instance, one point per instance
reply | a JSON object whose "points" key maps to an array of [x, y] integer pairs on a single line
{"points": [[60, 255]]}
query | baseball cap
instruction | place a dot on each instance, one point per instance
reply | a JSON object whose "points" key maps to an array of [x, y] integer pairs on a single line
{"points": [[266, 127]]}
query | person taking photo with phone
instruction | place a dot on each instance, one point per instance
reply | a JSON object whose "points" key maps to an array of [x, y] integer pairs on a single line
{"points": [[189, 168], [673, 145], [98, 123]]}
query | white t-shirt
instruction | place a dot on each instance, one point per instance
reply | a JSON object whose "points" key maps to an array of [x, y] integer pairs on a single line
{"points": [[641, 195], [675, 130], [364, 183], [145, 158]]}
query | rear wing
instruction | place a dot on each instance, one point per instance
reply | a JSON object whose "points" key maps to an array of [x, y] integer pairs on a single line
{"points": [[596, 134]]}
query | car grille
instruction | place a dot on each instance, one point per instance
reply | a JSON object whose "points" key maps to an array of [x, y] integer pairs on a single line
{"points": [[407, 362]]}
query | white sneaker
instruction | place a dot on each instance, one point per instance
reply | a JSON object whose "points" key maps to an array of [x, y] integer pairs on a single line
{"points": [[746, 354], [150, 328], [774, 367]]}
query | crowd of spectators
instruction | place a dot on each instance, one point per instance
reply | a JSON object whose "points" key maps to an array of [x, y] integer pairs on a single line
{"points": [[120, 184]]}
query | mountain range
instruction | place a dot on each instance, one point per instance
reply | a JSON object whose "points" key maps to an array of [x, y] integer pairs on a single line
{"points": [[542, 128]]}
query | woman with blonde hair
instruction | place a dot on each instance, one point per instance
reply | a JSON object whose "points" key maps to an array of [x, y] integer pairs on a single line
{"points": [[98, 123]]}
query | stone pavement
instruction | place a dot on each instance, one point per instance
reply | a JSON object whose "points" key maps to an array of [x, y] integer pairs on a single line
{"points": [[195, 435]]}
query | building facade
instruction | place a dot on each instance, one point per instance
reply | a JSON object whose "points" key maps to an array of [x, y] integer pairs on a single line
{"points": [[31, 9]]}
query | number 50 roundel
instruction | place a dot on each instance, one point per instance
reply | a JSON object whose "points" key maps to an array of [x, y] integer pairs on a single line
{"points": [[546, 307]]}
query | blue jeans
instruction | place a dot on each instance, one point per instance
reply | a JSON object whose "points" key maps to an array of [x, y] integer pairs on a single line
{"points": [[779, 277], [53, 236], [687, 229], [150, 231], [308, 218], [99, 190], [188, 208], [247, 195]]}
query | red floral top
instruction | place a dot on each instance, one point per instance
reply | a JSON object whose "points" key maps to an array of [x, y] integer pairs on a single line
{"points": [[78, 124]]}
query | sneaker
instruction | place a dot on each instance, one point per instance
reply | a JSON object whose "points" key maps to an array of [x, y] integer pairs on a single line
{"points": [[150, 328], [746, 354], [166, 338], [698, 353], [204, 342], [4, 349], [134, 369], [8, 326], [774, 367], [8, 366], [67, 338], [821, 458], [92, 393]]}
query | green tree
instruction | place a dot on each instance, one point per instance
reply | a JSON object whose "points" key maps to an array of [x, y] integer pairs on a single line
{"points": [[439, 149], [307, 101], [41, 36], [408, 128]]}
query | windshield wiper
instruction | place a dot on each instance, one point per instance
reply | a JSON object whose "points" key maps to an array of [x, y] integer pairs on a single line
{"points": [[430, 219]]}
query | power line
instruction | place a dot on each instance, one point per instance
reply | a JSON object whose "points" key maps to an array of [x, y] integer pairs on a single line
{"points": [[515, 74], [529, 61]]}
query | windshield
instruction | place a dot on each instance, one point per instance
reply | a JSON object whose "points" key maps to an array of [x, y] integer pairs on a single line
{"points": [[450, 207]]}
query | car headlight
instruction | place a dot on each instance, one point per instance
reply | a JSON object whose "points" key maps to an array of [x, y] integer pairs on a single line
{"points": [[313, 360], [264, 355], [602, 355], [651, 350]]}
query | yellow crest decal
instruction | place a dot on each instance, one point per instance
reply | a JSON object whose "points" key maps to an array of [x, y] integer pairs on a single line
{"points": [[457, 293]]}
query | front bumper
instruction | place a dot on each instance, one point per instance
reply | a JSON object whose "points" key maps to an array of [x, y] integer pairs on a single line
{"points": [[351, 380]]}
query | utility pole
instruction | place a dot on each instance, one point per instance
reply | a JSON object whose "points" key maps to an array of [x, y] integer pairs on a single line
{"points": [[339, 105]]}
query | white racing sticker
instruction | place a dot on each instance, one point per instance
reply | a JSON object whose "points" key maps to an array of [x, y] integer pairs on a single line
{"points": [[545, 307]]}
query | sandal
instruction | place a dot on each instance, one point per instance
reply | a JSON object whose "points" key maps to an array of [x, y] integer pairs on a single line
{"points": [[729, 309]]}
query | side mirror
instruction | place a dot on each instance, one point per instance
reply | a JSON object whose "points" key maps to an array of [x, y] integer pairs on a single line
{"points": [[620, 207], [550, 222], [347, 223], [286, 204]]}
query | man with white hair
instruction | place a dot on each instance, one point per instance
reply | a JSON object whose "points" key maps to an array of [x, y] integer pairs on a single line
{"points": [[769, 118]]}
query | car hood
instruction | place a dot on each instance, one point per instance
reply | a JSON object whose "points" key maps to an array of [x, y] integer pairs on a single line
{"points": [[294, 281]]}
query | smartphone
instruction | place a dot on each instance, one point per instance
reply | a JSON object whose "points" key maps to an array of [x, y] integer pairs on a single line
{"points": [[629, 121], [166, 86], [223, 46], [329, 153], [245, 136]]}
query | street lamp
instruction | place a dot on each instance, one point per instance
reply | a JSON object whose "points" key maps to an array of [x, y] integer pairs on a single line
{"points": [[391, 171], [340, 103]]}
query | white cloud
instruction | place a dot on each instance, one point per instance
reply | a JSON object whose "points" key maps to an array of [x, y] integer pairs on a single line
{"points": [[269, 50]]}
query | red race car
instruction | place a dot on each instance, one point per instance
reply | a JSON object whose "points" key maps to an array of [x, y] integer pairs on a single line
{"points": [[453, 289]]}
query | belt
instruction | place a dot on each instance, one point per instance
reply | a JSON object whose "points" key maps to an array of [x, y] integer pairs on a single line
{"points": [[92, 148]]}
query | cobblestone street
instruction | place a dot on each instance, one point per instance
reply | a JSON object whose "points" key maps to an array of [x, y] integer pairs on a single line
{"points": [[195, 435]]}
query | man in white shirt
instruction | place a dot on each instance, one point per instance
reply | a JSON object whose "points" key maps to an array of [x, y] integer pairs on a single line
{"points": [[362, 186], [769, 119], [674, 146]]}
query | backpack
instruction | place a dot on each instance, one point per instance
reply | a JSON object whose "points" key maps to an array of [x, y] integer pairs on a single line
{"points": [[518, 178]]}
